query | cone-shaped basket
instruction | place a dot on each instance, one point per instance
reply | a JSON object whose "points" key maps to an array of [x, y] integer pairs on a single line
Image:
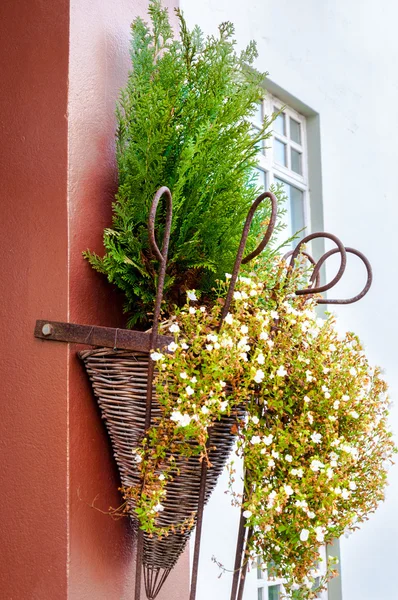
{"points": [[119, 379]]}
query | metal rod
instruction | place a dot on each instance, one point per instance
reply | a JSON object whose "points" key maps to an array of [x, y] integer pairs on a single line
{"points": [[238, 556], [162, 257], [239, 257], [198, 533], [244, 567], [93, 335]]}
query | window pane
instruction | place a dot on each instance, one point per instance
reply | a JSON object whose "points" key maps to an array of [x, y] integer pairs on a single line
{"points": [[258, 115], [280, 122], [260, 594], [260, 572], [261, 179], [273, 592], [294, 217], [295, 131], [260, 145], [296, 161], [280, 152]]}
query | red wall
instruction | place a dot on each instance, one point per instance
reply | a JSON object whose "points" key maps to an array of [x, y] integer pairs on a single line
{"points": [[34, 40], [64, 67]]}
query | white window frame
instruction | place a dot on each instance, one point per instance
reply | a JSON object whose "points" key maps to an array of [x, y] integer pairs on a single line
{"points": [[266, 159], [266, 583]]}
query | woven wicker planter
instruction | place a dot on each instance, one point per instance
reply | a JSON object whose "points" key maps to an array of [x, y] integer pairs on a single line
{"points": [[119, 380]]}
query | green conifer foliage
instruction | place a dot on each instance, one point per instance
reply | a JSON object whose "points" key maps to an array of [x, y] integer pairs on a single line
{"points": [[184, 122]]}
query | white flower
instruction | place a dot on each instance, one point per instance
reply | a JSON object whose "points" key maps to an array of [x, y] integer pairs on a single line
{"points": [[202, 309], [204, 410], [353, 371], [281, 372], [189, 390], [229, 319], [309, 376], [316, 465], [183, 375], [300, 472], [192, 310], [270, 343], [180, 419], [260, 359], [345, 494], [354, 414], [306, 399], [332, 348], [174, 328], [255, 420], [222, 383], [264, 335], [325, 370], [138, 458], [191, 295], [184, 346], [247, 514], [345, 397], [304, 535], [267, 439], [244, 329], [243, 356], [310, 418], [332, 418], [209, 347], [172, 347], [301, 503], [336, 404], [237, 296], [157, 356], [193, 379], [274, 314], [275, 454], [228, 275], [316, 438], [311, 515], [327, 394], [288, 490], [352, 485], [320, 535], [337, 490], [271, 462], [212, 337], [223, 405], [288, 458], [259, 376], [162, 477], [158, 508], [256, 439]]}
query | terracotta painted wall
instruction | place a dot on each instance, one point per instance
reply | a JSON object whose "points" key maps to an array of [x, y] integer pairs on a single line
{"points": [[33, 278], [65, 62]]}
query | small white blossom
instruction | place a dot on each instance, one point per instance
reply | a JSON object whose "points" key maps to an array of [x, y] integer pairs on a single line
{"points": [[229, 319], [275, 454], [352, 485], [237, 296], [281, 372], [267, 439], [316, 438], [174, 328], [301, 504], [288, 458], [228, 275], [271, 462], [288, 490], [247, 514], [320, 534], [274, 315], [353, 371], [244, 329], [209, 347], [192, 310], [183, 375], [345, 494], [260, 359], [184, 346], [189, 390], [256, 439], [316, 465], [336, 404], [158, 508], [191, 296], [311, 515], [255, 420], [306, 399], [332, 348], [202, 309], [354, 414], [138, 458], [259, 376], [304, 535], [157, 356], [162, 477], [172, 347], [204, 410], [264, 335], [309, 376]]}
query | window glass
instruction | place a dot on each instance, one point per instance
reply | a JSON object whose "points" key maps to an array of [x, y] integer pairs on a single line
{"points": [[295, 131], [259, 115], [261, 179], [296, 161], [280, 123], [260, 594], [294, 217], [280, 152], [273, 592]]}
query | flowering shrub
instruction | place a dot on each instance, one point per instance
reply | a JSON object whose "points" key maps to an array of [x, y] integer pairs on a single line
{"points": [[315, 441]]}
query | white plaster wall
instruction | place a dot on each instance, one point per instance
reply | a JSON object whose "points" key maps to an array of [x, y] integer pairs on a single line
{"points": [[340, 58]]}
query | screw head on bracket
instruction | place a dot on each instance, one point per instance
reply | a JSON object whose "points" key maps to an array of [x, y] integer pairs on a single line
{"points": [[47, 329]]}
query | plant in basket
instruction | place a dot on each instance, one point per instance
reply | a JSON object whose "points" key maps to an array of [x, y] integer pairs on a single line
{"points": [[247, 359]]}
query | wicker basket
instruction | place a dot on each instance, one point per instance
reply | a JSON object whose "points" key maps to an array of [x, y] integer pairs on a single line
{"points": [[119, 380]]}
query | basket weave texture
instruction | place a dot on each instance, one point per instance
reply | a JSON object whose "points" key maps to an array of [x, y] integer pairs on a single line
{"points": [[119, 381]]}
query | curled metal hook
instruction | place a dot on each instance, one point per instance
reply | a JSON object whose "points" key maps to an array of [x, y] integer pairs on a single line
{"points": [[365, 288], [311, 260], [321, 288], [239, 257]]}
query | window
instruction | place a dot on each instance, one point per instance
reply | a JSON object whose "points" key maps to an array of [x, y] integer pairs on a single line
{"points": [[283, 160], [271, 589]]}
